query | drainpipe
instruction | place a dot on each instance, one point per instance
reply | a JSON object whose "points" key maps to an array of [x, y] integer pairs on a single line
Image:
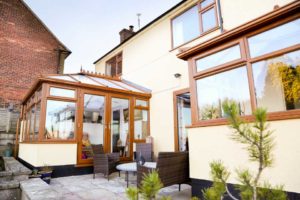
{"points": [[220, 16]]}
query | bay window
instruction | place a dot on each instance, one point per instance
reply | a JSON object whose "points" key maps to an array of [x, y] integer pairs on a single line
{"points": [[193, 22], [256, 70]]}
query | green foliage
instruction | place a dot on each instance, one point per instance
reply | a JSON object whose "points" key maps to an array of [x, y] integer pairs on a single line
{"points": [[215, 192], [132, 193], [245, 179], [268, 192], [219, 174], [259, 144], [257, 138], [166, 198], [195, 198], [151, 184]]}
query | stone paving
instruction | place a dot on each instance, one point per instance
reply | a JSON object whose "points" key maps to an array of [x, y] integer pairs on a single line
{"points": [[84, 187]]}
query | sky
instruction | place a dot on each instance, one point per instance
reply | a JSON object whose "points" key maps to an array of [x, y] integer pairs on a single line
{"points": [[90, 28]]}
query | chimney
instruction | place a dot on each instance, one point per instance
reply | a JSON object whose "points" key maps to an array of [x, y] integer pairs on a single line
{"points": [[126, 33]]}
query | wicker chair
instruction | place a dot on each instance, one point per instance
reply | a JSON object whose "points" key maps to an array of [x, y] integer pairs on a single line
{"points": [[172, 167], [145, 150], [104, 163]]}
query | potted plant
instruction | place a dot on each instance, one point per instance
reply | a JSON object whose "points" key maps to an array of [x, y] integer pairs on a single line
{"points": [[8, 151], [46, 172]]}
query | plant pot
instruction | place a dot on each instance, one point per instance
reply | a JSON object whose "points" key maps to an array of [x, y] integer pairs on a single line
{"points": [[8, 153], [46, 176]]}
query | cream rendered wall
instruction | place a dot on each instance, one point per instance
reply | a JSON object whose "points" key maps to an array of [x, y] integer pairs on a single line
{"points": [[149, 61], [39, 155], [214, 143]]}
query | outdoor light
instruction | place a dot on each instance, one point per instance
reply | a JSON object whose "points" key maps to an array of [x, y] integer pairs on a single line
{"points": [[177, 75]]}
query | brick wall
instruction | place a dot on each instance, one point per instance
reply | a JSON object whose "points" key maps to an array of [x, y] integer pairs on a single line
{"points": [[27, 49]]}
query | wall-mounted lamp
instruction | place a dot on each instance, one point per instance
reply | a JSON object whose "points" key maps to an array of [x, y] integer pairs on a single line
{"points": [[177, 75]]}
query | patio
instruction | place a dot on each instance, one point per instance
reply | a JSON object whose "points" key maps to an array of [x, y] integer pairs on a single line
{"points": [[86, 188]]}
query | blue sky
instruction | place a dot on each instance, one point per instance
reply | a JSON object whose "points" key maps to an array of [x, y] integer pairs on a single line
{"points": [[90, 28]]}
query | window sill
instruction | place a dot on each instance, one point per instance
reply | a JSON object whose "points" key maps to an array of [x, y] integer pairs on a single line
{"points": [[274, 116], [196, 38], [50, 142]]}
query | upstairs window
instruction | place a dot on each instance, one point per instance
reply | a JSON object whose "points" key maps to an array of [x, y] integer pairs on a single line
{"points": [[194, 22], [114, 66]]}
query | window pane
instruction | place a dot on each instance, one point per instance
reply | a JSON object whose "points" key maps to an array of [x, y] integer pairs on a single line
{"points": [[277, 82], [143, 103], [60, 92], [60, 117], [183, 102], [140, 124], [275, 39], [206, 3], [186, 26], [84, 79], [65, 78], [221, 57], [32, 114], [120, 126], [212, 91], [37, 120], [209, 19], [93, 123], [106, 82]]}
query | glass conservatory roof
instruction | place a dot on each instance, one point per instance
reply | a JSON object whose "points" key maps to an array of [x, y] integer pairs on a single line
{"points": [[99, 80]]}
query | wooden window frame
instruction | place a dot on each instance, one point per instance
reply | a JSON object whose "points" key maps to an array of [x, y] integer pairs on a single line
{"points": [[45, 97], [200, 12], [147, 108], [175, 115], [245, 61], [118, 58]]}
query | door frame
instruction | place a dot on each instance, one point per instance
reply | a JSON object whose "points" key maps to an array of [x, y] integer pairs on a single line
{"points": [[175, 115], [130, 120], [80, 111]]}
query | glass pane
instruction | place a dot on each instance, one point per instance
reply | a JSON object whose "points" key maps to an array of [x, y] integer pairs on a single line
{"points": [[37, 120], [206, 3], [126, 86], [183, 119], [60, 92], [106, 83], [186, 26], [65, 78], [60, 119], [84, 79], [31, 132], [120, 126], [209, 19], [139, 102], [275, 39], [140, 124], [39, 93], [27, 125], [212, 91], [277, 82], [221, 57], [93, 123]]}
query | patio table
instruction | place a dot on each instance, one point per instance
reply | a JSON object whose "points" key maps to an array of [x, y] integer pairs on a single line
{"points": [[131, 167]]}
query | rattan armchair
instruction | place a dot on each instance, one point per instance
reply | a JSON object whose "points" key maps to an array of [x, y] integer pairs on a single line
{"points": [[172, 167], [144, 150], [104, 163]]}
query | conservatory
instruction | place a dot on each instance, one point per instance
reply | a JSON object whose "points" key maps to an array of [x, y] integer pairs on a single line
{"points": [[63, 115]]}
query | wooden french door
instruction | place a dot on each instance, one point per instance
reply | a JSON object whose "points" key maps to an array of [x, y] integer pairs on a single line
{"points": [[120, 125], [92, 123], [104, 118]]}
